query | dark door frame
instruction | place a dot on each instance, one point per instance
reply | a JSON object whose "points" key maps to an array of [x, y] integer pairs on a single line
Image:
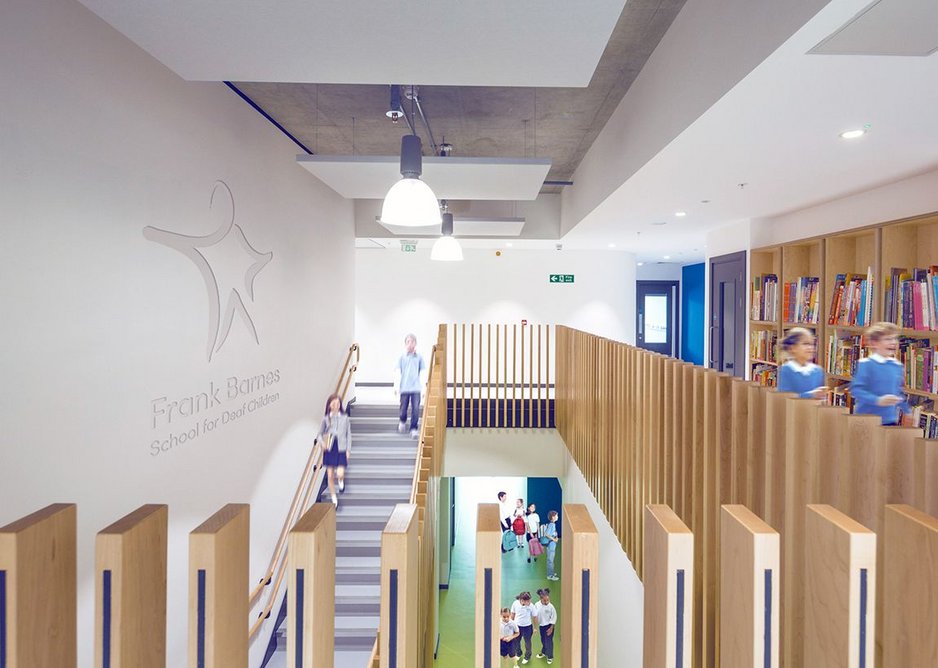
{"points": [[674, 314], [739, 364]]}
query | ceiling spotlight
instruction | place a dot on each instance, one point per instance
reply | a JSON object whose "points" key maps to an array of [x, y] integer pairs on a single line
{"points": [[853, 134], [680, 214], [641, 264], [666, 257], [395, 112], [446, 248], [509, 244], [612, 245]]}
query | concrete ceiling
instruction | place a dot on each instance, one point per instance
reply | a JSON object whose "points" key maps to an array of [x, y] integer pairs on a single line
{"points": [[557, 123]]}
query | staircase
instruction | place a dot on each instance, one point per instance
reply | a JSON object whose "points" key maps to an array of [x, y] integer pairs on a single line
{"points": [[380, 474]]}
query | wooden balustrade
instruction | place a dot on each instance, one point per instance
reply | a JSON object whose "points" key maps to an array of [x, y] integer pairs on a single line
{"points": [[749, 585], [399, 629], [669, 581], [910, 588], [218, 589], [488, 585], [644, 429], [838, 584], [501, 375], [130, 590], [38, 590], [579, 586], [311, 589]]}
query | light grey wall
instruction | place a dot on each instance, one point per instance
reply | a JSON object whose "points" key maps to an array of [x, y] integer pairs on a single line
{"points": [[104, 327]]}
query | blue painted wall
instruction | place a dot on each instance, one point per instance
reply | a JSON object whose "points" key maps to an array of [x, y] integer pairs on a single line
{"points": [[692, 313], [547, 495]]}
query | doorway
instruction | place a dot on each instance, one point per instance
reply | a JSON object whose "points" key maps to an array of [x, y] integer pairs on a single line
{"points": [[728, 313], [657, 316]]}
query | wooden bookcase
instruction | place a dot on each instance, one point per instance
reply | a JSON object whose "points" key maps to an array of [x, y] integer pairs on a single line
{"points": [[906, 244], [764, 261]]}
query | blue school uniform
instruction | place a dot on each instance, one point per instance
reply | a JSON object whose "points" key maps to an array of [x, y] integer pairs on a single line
{"points": [[794, 377], [877, 375]]}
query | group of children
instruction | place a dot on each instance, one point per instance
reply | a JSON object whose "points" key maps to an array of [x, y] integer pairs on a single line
{"points": [[877, 386], [528, 532], [518, 623]]}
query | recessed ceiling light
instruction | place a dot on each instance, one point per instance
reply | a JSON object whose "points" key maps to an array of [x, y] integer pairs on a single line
{"points": [[666, 257], [641, 264], [853, 134], [612, 245], [680, 214], [660, 222], [508, 243]]}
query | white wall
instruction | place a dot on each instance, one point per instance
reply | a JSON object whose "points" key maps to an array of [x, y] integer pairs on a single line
{"points": [[621, 594], [397, 293], [99, 141]]}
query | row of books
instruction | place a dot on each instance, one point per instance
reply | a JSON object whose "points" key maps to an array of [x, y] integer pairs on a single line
{"points": [[920, 360], [764, 297], [911, 297], [852, 300], [763, 345], [800, 300], [765, 374], [843, 354]]}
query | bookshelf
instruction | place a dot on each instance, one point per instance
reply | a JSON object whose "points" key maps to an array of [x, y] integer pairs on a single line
{"points": [[764, 314], [887, 271]]}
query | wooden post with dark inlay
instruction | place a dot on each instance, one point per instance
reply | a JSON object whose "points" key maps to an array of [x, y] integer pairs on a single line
{"points": [[488, 585], [38, 596], [311, 589], [669, 574], [130, 590], [218, 589], [579, 545], [399, 626]]}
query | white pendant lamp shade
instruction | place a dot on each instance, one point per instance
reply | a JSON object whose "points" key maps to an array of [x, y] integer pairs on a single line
{"points": [[446, 249], [410, 203]]}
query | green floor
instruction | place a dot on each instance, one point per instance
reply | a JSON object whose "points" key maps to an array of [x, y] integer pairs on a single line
{"points": [[457, 604]]}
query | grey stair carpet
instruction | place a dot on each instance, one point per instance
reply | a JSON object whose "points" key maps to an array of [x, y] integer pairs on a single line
{"points": [[379, 477]]}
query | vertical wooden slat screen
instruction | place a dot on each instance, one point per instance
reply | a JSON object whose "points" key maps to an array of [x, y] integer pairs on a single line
{"points": [[39, 622], [502, 375], [626, 414]]}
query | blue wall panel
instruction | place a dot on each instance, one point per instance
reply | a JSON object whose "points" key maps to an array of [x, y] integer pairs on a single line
{"points": [[693, 284]]}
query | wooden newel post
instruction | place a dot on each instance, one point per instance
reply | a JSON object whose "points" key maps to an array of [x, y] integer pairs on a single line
{"points": [[38, 603], [669, 586], [839, 588], [311, 589], [579, 544], [218, 589], [488, 585], [130, 591], [399, 564], [749, 582]]}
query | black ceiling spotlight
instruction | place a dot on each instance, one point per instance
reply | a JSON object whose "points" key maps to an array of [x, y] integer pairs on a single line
{"points": [[395, 112]]}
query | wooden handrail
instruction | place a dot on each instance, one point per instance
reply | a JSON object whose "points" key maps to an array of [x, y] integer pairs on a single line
{"points": [[423, 427], [304, 489]]}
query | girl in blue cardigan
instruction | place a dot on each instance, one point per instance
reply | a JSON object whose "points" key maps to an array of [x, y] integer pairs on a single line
{"points": [[799, 374]]}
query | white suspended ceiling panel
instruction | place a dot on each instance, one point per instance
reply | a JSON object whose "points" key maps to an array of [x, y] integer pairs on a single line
{"points": [[464, 227], [370, 177], [424, 42]]}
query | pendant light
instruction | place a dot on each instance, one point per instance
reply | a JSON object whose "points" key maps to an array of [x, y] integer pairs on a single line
{"points": [[410, 202], [446, 248]]}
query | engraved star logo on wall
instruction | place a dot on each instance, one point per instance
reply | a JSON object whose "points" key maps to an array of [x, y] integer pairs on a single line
{"points": [[228, 264]]}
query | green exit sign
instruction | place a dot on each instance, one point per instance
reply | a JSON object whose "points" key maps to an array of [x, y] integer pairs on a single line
{"points": [[561, 278], [408, 245]]}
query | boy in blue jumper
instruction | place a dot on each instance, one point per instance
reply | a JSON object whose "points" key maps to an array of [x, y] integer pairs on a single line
{"points": [[878, 383], [409, 368]]}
